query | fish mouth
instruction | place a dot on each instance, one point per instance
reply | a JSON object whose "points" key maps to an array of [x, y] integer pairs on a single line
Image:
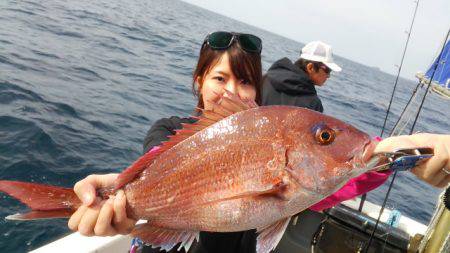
{"points": [[368, 151], [367, 160]]}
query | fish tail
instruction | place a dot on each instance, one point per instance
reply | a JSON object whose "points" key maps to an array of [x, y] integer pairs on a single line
{"points": [[45, 201]]}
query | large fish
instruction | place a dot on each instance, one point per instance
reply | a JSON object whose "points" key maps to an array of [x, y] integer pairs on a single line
{"points": [[239, 167]]}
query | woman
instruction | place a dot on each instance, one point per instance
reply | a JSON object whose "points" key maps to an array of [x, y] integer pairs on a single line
{"points": [[227, 61], [232, 62]]}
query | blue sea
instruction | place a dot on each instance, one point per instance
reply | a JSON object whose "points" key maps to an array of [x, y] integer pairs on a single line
{"points": [[81, 82]]}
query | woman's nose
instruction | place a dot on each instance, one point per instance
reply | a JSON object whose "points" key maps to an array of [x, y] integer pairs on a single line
{"points": [[231, 87]]}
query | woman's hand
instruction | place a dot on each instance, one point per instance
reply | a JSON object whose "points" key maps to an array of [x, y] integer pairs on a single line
{"points": [[436, 170], [96, 216]]}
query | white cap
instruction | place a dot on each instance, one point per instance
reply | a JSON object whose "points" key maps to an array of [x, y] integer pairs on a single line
{"points": [[319, 52]]}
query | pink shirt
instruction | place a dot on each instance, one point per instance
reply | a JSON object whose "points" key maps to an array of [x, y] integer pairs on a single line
{"points": [[355, 187]]}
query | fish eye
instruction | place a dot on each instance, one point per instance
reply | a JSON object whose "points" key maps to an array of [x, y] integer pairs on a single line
{"points": [[325, 135]]}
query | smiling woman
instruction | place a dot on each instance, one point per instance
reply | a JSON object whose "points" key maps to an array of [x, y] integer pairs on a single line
{"points": [[59, 123], [229, 63], [238, 69]]}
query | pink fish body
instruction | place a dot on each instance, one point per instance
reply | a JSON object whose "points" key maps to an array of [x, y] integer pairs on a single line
{"points": [[263, 162], [238, 171]]}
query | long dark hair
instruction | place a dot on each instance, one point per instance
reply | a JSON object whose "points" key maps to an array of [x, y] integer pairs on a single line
{"points": [[244, 65]]}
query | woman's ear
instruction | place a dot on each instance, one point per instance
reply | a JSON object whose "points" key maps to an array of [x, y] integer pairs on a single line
{"points": [[198, 81], [199, 84]]}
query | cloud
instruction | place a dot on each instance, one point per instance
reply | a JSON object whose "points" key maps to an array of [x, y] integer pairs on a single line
{"points": [[369, 32]]}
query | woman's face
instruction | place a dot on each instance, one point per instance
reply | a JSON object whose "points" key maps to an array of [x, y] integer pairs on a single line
{"points": [[220, 78]]}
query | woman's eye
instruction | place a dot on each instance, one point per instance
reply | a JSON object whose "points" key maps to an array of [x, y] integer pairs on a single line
{"points": [[219, 78], [245, 82]]}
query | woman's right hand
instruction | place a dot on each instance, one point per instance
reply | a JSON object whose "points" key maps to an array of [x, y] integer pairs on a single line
{"points": [[96, 216]]}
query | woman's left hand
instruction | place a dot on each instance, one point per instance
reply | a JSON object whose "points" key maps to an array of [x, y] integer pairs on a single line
{"points": [[436, 170], [96, 216]]}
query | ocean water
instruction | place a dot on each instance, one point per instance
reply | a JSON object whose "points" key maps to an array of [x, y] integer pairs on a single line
{"points": [[81, 82]]}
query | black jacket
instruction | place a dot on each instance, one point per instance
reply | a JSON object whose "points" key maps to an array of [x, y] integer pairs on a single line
{"points": [[161, 129], [287, 84], [238, 242]]}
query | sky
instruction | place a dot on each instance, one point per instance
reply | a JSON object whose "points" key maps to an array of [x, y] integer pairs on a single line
{"points": [[371, 32]]}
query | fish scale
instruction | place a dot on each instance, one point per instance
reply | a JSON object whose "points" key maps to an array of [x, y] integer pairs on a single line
{"points": [[253, 169], [206, 174], [206, 178]]}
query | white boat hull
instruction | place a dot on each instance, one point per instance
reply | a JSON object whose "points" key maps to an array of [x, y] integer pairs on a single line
{"points": [[120, 243]]}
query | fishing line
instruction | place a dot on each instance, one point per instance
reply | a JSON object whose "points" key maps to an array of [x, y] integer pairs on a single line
{"points": [[399, 69], [397, 124], [411, 131], [363, 198]]}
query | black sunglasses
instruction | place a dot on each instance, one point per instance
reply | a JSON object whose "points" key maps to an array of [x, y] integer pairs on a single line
{"points": [[223, 40], [326, 69]]}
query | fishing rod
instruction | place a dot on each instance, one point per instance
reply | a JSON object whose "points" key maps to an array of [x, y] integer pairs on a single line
{"points": [[410, 132], [400, 68], [398, 128], [363, 197]]}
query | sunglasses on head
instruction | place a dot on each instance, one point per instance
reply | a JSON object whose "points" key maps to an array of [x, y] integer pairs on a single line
{"points": [[223, 40], [326, 69]]}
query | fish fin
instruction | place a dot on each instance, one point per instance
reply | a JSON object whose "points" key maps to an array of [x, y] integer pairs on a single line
{"points": [[294, 221], [225, 107], [36, 215], [164, 237], [39, 197], [269, 237], [276, 188], [136, 168], [231, 104]]}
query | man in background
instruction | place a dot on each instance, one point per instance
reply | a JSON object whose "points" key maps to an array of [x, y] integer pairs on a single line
{"points": [[287, 83]]}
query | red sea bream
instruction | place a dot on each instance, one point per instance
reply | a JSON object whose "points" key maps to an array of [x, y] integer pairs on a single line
{"points": [[237, 168]]}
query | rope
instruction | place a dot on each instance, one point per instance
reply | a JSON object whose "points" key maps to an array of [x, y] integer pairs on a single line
{"points": [[431, 78]]}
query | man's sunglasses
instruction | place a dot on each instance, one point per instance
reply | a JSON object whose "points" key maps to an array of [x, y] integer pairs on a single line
{"points": [[326, 69], [223, 40]]}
